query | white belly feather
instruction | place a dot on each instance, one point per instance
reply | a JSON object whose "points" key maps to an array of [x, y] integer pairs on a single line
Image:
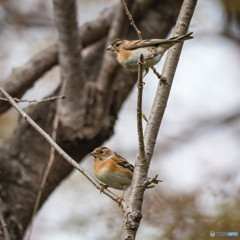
{"points": [[116, 180], [150, 59]]}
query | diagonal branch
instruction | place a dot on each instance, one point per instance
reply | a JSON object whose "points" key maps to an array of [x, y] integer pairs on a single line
{"points": [[131, 19], [34, 100], [57, 148]]}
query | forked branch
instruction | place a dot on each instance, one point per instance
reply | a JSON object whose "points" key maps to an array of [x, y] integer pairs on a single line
{"points": [[133, 214]]}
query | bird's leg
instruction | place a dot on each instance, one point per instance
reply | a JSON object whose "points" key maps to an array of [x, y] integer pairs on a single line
{"points": [[103, 186], [121, 198], [150, 57]]}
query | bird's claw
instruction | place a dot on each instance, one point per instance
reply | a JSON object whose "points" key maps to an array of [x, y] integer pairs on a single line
{"points": [[103, 187]]}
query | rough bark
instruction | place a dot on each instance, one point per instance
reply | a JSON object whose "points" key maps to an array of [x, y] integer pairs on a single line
{"points": [[24, 155]]}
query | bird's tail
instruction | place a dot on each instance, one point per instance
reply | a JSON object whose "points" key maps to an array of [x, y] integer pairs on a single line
{"points": [[166, 44], [181, 38]]}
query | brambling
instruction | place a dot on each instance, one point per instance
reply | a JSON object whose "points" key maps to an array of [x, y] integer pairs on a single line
{"points": [[128, 52], [113, 170]]}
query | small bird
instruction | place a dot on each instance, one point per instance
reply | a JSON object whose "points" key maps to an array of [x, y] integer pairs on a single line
{"points": [[113, 170], [128, 52]]}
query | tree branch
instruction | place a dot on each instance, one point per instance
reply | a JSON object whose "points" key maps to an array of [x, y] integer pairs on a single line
{"points": [[131, 19], [132, 215], [34, 100], [139, 108], [58, 149]]}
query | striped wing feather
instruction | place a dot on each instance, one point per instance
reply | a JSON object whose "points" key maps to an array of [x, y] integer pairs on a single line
{"points": [[122, 162], [154, 42]]}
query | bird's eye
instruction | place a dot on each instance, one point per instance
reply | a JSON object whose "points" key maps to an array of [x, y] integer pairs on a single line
{"points": [[101, 151], [117, 44]]}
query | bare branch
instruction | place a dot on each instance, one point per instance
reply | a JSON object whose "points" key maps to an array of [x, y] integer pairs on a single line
{"points": [[34, 100], [156, 73], [139, 108], [131, 19], [58, 149]]}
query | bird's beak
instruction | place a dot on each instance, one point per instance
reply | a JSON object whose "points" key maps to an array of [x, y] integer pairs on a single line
{"points": [[93, 154], [110, 48]]}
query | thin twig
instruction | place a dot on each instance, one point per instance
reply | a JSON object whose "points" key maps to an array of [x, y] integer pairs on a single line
{"points": [[131, 19], [33, 100], [156, 73], [139, 107], [3, 223], [59, 150], [51, 158], [139, 84]]}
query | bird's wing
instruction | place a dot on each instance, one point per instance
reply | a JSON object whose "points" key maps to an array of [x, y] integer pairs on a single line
{"points": [[122, 162], [146, 43], [153, 42]]}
